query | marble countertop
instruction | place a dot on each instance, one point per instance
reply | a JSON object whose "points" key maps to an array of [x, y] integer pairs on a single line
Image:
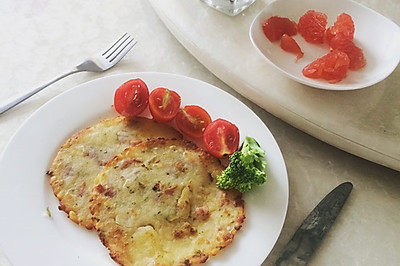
{"points": [[42, 39]]}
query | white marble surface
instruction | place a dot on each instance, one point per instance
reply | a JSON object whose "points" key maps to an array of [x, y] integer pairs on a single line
{"points": [[41, 39], [363, 122]]}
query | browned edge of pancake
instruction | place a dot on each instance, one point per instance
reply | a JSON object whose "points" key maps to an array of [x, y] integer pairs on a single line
{"points": [[196, 258]]}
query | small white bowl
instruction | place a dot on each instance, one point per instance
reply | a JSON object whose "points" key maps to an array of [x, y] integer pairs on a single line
{"points": [[378, 36]]}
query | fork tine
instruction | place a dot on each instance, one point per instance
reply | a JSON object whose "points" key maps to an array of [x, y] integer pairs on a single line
{"points": [[116, 44], [124, 50], [120, 48]]}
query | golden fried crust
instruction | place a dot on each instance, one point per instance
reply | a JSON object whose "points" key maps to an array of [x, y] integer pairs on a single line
{"points": [[83, 155], [157, 203]]}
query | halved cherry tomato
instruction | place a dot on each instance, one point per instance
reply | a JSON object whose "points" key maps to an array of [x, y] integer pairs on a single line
{"points": [[221, 138], [192, 120], [164, 104], [131, 98]]}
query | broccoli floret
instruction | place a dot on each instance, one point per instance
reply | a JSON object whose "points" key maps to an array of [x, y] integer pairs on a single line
{"points": [[246, 168]]}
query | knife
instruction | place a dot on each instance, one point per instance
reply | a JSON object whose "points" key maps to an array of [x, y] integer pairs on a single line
{"points": [[313, 229]]}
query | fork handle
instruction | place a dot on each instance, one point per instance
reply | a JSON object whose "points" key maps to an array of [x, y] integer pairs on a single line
{"points": [[19, 100]]}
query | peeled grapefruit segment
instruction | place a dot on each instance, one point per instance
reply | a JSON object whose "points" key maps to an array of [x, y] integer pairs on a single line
{"points": [[290, 45], [274, 27], [331, 67], [312, 26], [343, 26], [340, 36], [355, 53]]}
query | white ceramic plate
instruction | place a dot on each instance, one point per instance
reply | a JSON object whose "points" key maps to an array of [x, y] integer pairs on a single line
{"points": [[378, 36], [28, 236]]}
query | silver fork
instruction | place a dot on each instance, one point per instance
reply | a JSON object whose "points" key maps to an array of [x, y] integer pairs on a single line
{"points": [[97, 63]]}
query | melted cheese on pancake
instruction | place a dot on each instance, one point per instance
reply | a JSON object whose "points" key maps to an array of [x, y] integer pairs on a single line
{"points": [[157, 204], [83, 156]]}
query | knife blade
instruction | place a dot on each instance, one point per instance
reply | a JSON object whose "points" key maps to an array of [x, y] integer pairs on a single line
{"points": [[309, 235]]}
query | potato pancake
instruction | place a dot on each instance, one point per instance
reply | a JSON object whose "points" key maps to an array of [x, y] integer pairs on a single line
{"points": [[83, 156], [157, 203]]}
